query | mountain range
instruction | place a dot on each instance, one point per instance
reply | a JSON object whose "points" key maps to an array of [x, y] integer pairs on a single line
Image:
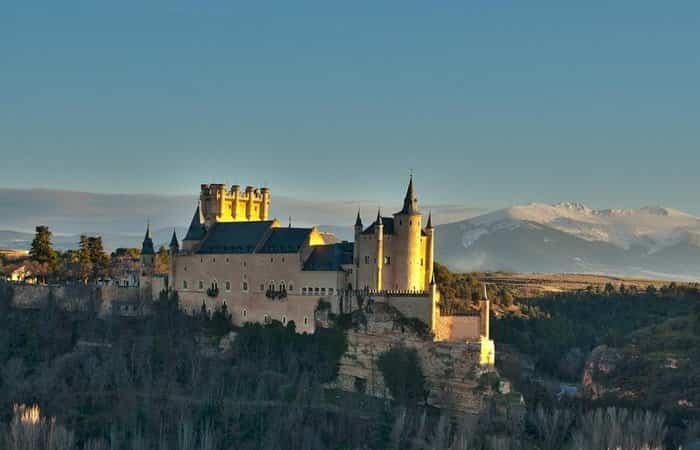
{"points": [[570, 237]]}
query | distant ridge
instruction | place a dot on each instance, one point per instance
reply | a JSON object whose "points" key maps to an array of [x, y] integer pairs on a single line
{"points": [[652, 242]]}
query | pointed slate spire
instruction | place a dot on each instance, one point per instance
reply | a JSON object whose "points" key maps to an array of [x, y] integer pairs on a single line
{"points": [[410, 202], [174, 244], [197, 230], [358, 221], [147, 245], [430, 220], [379, 217]]}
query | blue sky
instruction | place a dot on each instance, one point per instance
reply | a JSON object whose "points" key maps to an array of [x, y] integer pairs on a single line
{"points": [[491, 103]]}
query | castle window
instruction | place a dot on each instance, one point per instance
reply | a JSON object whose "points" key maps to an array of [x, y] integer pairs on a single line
{"points": [[283, 259], [387, 260], [303, 291], [213, 260], [330, 291], [323, 291], [266, 319], [306, 320], [245, 313], [282, 286], [201, 260], [245, 286], [272, 260], [291, 287], [410, 222], [184, 284], [366, 259], [201, 284], [184, 268], [228, 260], [284, 320], [244, 264], [228, 285], [262, 288], [316, 290], [272, 285]]}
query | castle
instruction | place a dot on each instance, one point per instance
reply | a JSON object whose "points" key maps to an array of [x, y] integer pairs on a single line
{"points": [[234, 254]]}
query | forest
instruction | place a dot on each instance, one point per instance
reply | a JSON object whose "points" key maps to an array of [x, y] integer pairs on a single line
{"points": [[78, 382]]}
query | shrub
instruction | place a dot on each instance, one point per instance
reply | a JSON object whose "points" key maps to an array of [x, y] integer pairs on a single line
{"points": [[403, 375]]}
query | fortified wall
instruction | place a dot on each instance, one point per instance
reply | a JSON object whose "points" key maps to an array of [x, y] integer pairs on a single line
{"points": [[79, 297]]}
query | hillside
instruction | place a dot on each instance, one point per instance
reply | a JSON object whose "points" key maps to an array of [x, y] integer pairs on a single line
{"points": [[656, 367]]}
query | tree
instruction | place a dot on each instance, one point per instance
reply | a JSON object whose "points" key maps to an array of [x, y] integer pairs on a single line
{"points": [[84, 259], [42, 251], [98, 257], [162, 260], [403, 375]]}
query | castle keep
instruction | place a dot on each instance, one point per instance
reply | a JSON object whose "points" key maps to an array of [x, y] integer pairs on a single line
{"points": [[234, 254]]}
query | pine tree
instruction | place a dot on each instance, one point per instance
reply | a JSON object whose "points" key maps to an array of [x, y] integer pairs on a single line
{"points": [[98, 257], [84, 258], [42, 252]]}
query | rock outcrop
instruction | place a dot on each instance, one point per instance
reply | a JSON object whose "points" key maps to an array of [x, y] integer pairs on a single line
{"points": [[455, 378]]}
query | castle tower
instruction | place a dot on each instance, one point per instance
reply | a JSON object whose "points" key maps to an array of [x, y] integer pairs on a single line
{"points": [[356, 251], [429, 249], [173, 250], [485, 315], [410, 265], [148, 266], [379, 240]]}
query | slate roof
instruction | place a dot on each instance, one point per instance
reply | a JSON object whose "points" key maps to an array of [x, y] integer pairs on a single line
{"points": [[329, 257], [197, 230], [285, 240], [147, 245], [388, 223], [234, 237]]}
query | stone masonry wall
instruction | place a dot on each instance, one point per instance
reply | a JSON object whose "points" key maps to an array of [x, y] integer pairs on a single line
{"points": [[73, 297]]}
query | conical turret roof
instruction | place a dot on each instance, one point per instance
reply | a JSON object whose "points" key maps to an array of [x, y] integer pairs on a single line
{"points": [[410, 202], [147, 245], [173, 241]]}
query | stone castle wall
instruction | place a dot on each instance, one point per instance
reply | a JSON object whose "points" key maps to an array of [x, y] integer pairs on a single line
{"points": [[457, 328], [73, 297]]}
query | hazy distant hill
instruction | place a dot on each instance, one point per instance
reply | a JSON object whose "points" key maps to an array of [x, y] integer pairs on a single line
{"points": [[569, 237], [121, 218]]}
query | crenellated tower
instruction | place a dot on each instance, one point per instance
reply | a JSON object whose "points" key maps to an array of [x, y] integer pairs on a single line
{"points": [[218, 203]]}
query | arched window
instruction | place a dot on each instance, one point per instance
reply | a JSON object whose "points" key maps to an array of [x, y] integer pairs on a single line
{"points": [[306, 320], [266, 319], [245, 286], [245, 313], [228, 286], [284, 320], [184, 284]]}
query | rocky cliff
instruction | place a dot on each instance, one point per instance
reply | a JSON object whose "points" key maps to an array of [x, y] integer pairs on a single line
{"points": [[455, 380]]}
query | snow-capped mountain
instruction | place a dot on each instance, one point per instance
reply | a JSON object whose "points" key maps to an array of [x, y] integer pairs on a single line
{"points": [[570, 237]]}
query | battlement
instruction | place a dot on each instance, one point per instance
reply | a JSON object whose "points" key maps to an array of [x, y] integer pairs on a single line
{"points": [[223, 204]]}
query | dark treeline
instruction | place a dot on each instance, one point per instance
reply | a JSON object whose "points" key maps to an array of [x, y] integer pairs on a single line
{"points": [[160, 382]]}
